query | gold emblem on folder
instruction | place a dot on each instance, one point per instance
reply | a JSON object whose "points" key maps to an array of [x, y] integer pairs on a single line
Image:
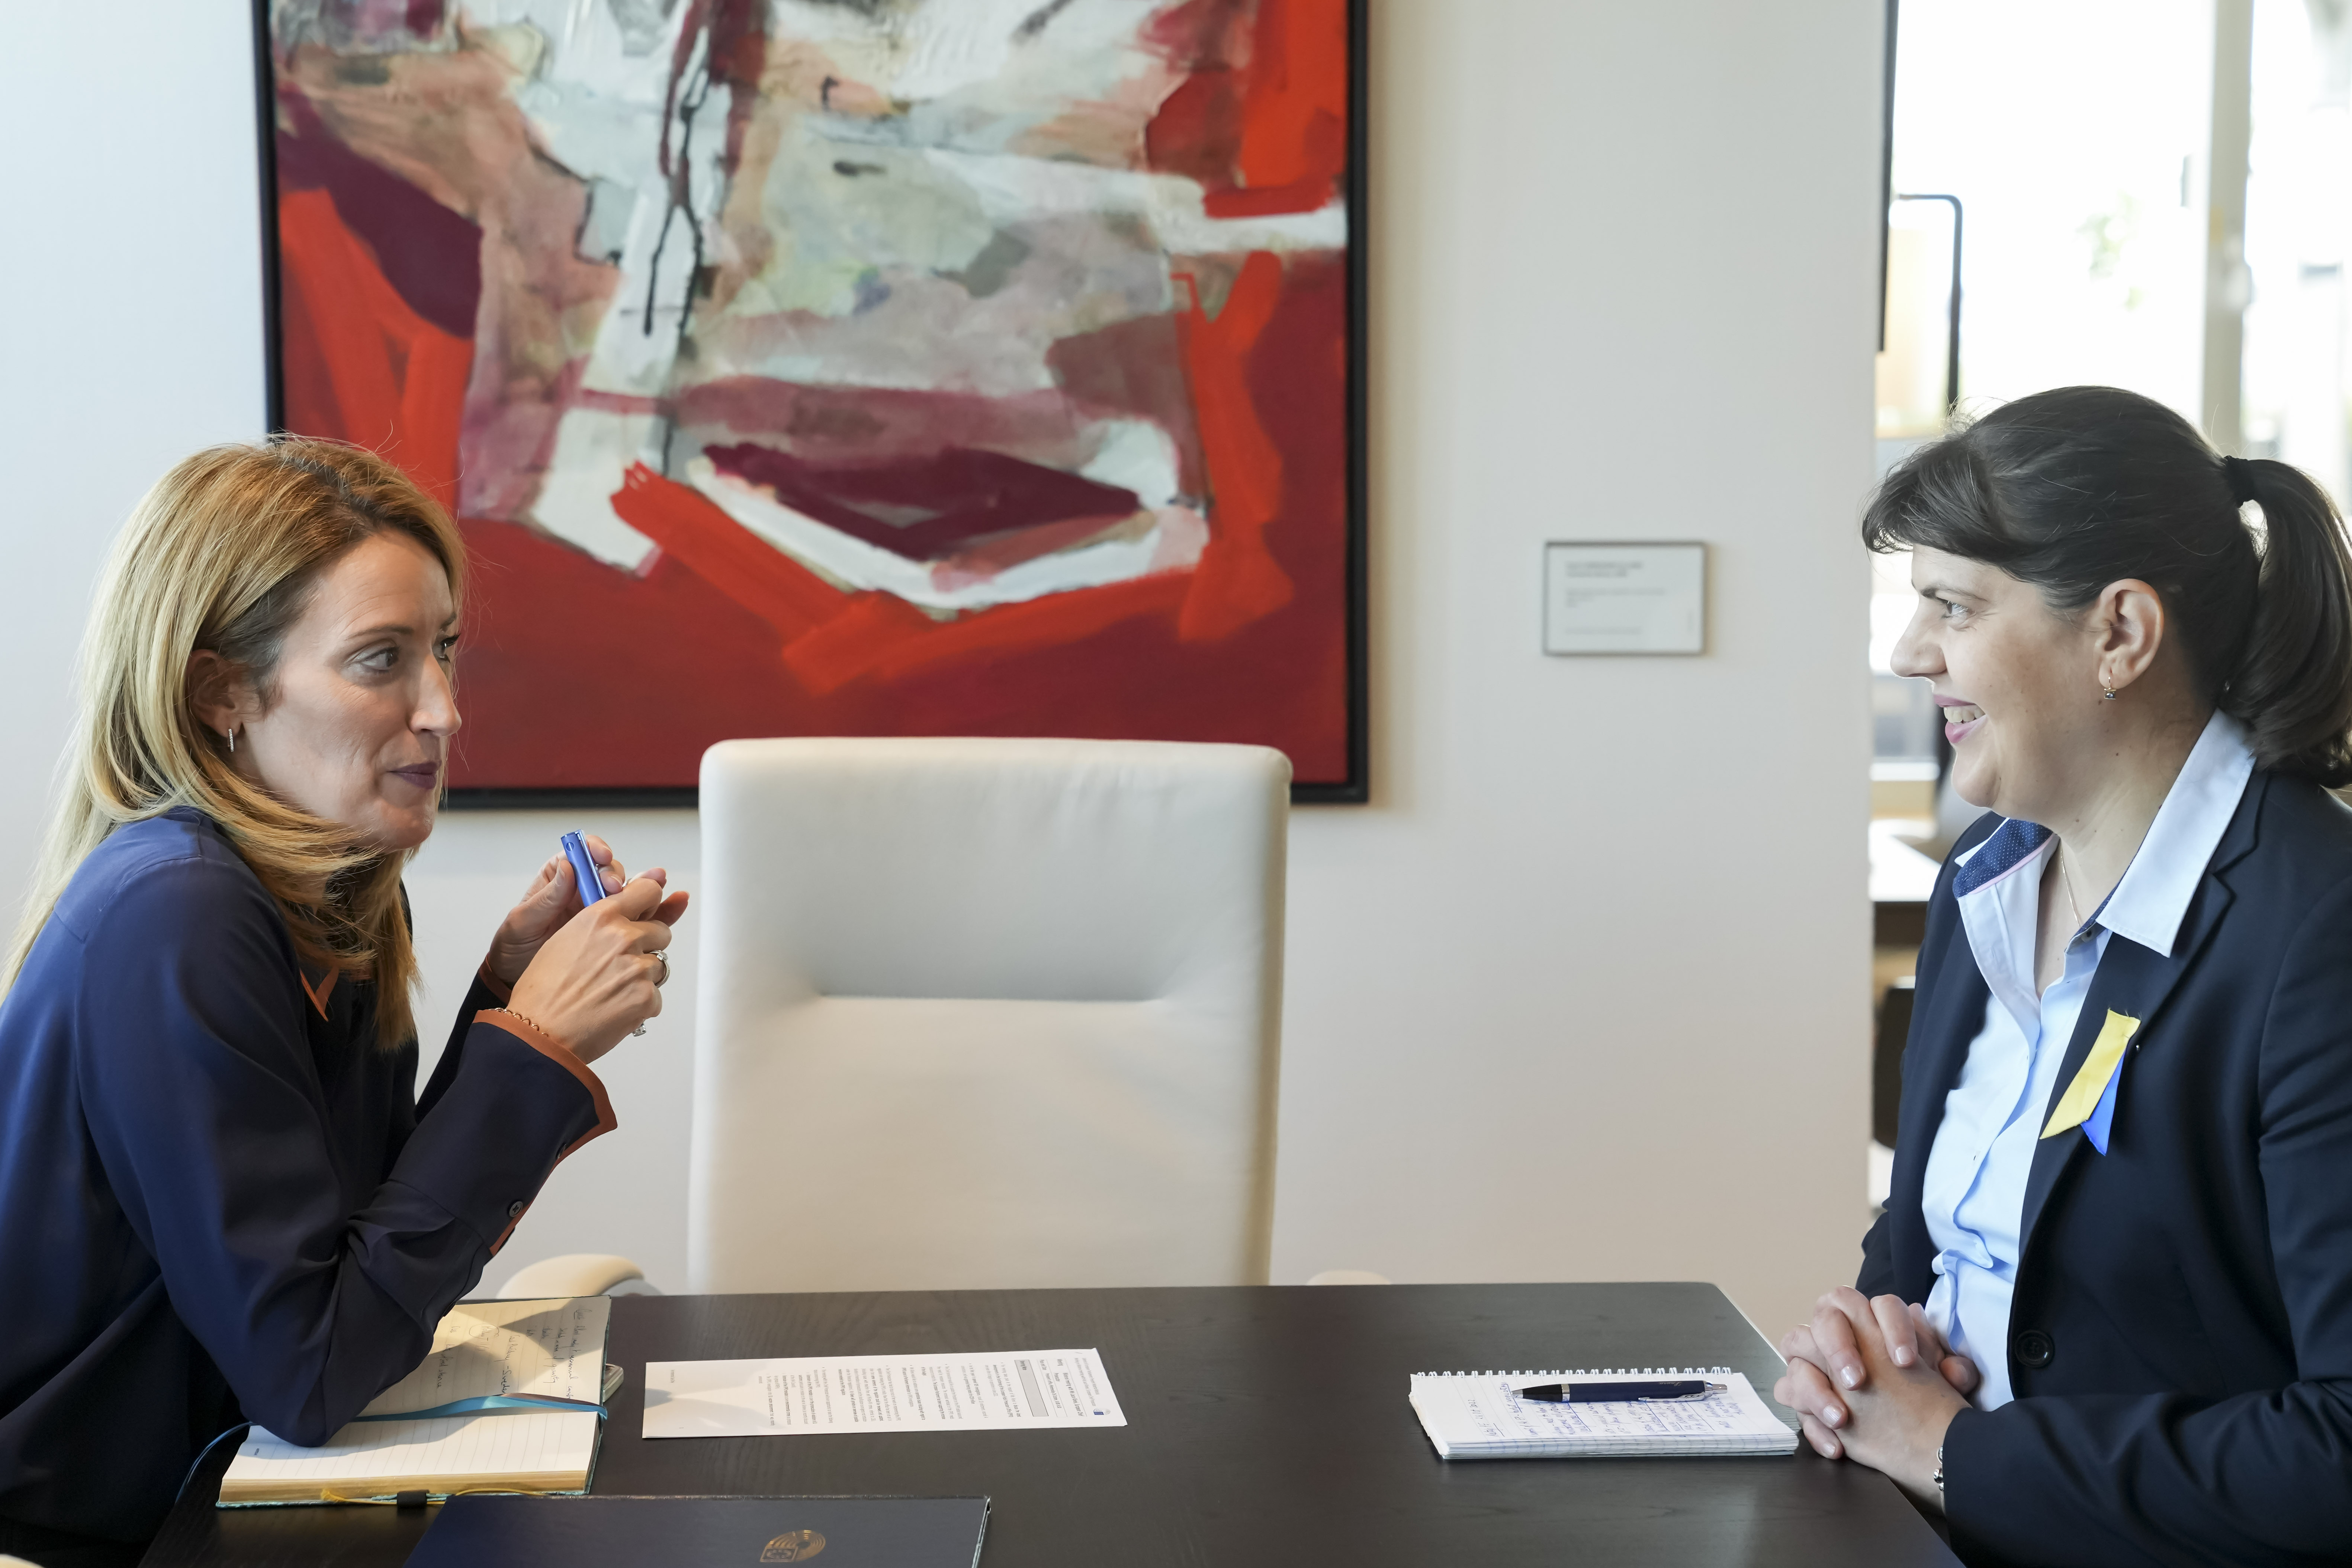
{"points": [[793, 1546]]}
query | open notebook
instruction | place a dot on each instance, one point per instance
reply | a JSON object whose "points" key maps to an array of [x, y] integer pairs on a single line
{"points": [[509, 1399], [1480, 1416]]}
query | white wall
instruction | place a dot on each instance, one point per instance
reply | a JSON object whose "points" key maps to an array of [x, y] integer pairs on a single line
{"points": [[1625, 265]]}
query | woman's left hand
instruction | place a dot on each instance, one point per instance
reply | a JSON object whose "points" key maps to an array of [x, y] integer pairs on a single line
{"points": [[1895, 1419], [554, 899], [1822, 1354]]}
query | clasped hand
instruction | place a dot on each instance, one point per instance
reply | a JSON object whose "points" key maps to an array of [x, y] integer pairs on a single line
{"points": [[587, 976], [1874, 1381]]}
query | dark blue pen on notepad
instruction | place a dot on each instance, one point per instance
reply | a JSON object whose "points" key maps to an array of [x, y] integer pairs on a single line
{"points": [[1620, 1393], [591, 883]]}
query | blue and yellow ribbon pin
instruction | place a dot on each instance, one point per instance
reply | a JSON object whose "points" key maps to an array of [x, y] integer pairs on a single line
{"points": [[2089, 1101]]}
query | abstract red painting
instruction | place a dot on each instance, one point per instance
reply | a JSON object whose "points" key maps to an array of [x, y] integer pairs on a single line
{"points": [[851, 367]]}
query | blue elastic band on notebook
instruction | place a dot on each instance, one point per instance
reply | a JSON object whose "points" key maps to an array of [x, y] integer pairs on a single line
{"points": [[489, 1401]]}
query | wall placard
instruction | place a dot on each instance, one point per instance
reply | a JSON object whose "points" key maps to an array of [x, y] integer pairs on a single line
{"points": [[1624, 596]]}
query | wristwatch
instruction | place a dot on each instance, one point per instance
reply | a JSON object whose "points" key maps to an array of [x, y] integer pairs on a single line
{"points": [[1939, 1471]]}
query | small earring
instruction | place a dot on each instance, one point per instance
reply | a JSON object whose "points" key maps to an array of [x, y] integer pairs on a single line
{"points": [[232, 735], [2109, 694]]}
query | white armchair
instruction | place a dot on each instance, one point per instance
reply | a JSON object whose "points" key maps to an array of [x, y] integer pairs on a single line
{"points": [[576, 1274], [986, 1014]]}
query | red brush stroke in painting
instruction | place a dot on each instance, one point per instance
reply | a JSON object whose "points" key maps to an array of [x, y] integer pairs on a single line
{"points": [[833, 638], [1295, 123], [376, 372], [688, 526], [431, 257], [579, 675], [1276, 140], [1197, 130], [1237, 580]]}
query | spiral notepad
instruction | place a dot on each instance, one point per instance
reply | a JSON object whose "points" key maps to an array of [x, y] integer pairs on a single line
{"points": [[1480, 1416]]}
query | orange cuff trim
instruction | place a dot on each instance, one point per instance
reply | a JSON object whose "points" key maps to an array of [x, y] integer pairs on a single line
{"points": [[518, 1220], [496, 986], [500, 1018]]}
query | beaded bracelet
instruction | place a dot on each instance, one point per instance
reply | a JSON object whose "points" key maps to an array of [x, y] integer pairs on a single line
{"points": [[532, 1022]]}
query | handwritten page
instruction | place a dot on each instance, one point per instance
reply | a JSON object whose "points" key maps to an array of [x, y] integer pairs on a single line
{"points": [[482, 1350], [517, 1450], [976, 1392], [1480, 1416], [489, 1349]]}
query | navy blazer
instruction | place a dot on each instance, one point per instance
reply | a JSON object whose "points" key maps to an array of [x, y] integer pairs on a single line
{"points": [[2180, 1336], [217, 1190]]}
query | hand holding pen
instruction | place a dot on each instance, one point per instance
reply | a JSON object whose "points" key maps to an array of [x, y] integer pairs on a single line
{"points": [[590, 943]]}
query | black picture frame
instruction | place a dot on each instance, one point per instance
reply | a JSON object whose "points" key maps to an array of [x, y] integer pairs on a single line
{"points": [[1355, 789]]}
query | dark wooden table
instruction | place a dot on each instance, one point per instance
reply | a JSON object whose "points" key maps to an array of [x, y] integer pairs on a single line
{"points": [[1266, 1426]]}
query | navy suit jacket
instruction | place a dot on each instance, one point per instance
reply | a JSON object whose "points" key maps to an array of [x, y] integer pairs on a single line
{"points": [[216, 1189], [2180, 1337]]}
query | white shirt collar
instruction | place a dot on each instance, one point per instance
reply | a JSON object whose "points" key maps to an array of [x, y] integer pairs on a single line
{"points": [[2149, 905], [2001, 917], [2146, 906]]}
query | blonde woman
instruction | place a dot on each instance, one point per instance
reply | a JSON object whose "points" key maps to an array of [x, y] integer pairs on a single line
{"points": [[220, 1197]]}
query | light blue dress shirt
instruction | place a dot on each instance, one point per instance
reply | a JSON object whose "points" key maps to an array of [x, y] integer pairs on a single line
{"points": [[1974, 1196]]}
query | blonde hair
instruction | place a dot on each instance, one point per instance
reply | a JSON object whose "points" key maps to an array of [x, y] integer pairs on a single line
{"points": [[222, 554]]}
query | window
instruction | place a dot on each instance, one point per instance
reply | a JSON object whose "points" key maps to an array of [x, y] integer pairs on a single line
{"points": [[2150, 193]]}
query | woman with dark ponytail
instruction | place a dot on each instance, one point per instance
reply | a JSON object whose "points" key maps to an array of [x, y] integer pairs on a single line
{"points": [[2107, 1316]]}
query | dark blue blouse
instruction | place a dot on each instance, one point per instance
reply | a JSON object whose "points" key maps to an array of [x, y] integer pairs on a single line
{"points": [[219, 1199]]}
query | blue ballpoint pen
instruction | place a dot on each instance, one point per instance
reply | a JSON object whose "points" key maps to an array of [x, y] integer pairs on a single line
{"points": [[591, 881], [583, 869], [1620, 1393]]}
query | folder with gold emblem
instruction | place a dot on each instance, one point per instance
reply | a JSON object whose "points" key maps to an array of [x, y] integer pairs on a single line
{"points": [[483, 1532]]}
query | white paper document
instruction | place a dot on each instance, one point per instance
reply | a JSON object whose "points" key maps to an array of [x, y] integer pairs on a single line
{"points": [[965, 1392]]}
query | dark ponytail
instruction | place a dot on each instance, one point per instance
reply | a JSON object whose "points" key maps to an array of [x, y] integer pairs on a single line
{"points": [[2077, 488], [2292, 687]]}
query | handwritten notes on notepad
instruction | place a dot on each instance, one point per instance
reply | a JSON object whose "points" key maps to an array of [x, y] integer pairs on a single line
{"points": [[486, 1410], [506, 1349], [970, 1391], [1480, 1416]]}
